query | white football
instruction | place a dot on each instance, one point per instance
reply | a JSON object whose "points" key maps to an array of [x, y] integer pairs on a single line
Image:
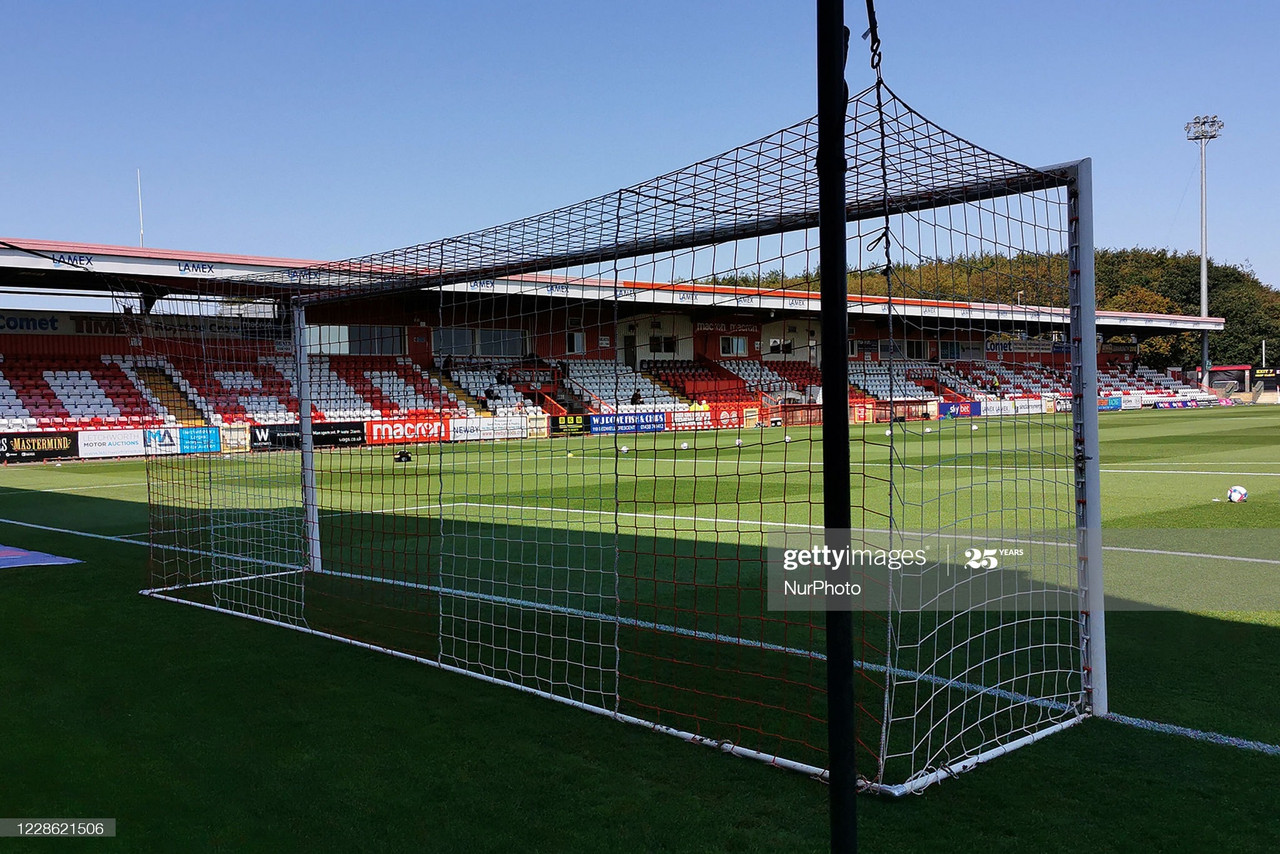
{"points": [[888, 432], [1237, 495], [684, 446], [786, 438], [928, 429], [975, 427], [738, 442], [624, 449]]}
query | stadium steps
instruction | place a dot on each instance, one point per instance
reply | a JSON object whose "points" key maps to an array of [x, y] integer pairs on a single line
{"points": [[460, 392], [670, 389], [572, 404], [171, 397]]}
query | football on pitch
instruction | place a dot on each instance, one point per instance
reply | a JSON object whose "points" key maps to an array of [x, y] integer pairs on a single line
{"points": [[684, 446], [738, 442], [624, 449], [786, 438], [1237, 495]]}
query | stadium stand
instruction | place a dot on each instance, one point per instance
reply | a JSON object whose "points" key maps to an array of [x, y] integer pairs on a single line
{"points": [[261, 396], [883, 381], [52, 392], [393, 385], [988, 380], [759, 377], [1149, 384], [488, 384], [711, 382], [57, 392], [14, 415], [805, 378], [613, 385]]}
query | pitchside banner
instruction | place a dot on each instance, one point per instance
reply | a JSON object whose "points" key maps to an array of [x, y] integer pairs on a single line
{"points": [[964, 409], [718, 416], [161, 440], [199, 440], [1109, 404], [406, 431], [497, 427], [112, 443], [628, 422], [569, 425], [324, 434], [33, 447]]}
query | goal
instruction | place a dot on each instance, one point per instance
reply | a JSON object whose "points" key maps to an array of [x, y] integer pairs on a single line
{"points": [[554, 454]]}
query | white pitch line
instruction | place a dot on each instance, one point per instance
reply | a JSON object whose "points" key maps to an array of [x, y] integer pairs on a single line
{"points": [[1200, 555], [56, 530], [18, 490], [1196, 734], [145, 544], [1188, 471]]}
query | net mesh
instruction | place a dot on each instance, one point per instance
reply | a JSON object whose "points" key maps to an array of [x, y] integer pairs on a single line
{"points": [[551, 453]]}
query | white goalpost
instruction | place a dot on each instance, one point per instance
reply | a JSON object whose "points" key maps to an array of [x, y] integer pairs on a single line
{"points": [[552, 454]]}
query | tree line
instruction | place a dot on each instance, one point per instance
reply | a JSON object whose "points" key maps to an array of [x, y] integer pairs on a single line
{"points": [[1157, 281]]}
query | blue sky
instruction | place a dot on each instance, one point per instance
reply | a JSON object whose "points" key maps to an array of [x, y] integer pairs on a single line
{"points": [[327, 130]]}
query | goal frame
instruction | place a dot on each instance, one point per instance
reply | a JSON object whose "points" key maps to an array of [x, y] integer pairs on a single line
{"points": [[1077, 177], [449, 274]]}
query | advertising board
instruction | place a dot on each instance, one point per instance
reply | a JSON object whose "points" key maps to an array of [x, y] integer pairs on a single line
{"points": [[112, 443], [35, 447]]}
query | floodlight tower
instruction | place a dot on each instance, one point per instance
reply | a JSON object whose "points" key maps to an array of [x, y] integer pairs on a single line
{"points": [[1201, 129]]}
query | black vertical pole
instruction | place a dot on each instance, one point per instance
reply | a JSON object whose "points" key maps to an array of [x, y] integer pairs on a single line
{"points": [[833, 96]]}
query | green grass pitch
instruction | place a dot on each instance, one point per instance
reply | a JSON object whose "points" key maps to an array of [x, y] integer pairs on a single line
{"points": [[201, 732]]}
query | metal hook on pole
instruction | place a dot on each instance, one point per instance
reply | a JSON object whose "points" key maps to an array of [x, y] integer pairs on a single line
{"points": [[873, 33]]}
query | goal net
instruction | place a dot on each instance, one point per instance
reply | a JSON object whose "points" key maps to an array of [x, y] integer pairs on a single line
{"points": [[555, 453]]}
